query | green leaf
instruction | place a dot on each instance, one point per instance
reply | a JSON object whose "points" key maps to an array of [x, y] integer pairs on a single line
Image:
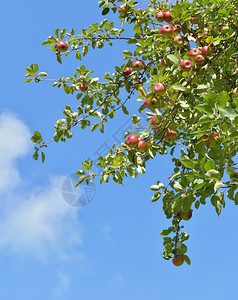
{"points": [[85, 50], [187, 162], [210, 164], [127, 53], [156, 197], [30, 72], [101, 127], [218, 185], [105, 11], [66, 89], [228, 112], [173, 58], [36, 138], [222, 99], [133, 173], [78, 55], [34, 67], [125, 110], [81, 179], [42, 156], [42, 74], [178, 86], [213, 174], [186, 259]]}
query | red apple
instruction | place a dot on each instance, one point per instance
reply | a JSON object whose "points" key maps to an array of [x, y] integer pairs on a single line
{"points": [[167, 16], [199, 60], [163, 62], [83, 87], [127, 72], [62, 47], [151, 104], [206, 50], [166, 30], [132, 141], [170, 136], [176, 29], [140, 9], [178, 41], [142, 145], [178, 260], [137, 65], [194, 52], [160, 16], [214, 140], [186, 215], [122, 9], [156, 120], [186, 65], [159, 88]]}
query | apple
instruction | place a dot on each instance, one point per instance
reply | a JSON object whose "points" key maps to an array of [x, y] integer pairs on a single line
{"points": [[194, 52], [127, 72], [214, 140], [62, 47], [137, 65], [156, 120], [159, 88], [199, 60], [186, 65], [176, 29], [178, 41], [160, 16], [167, 17], [140, 9], [186, 215], [151, 104], [178, 260], [170, 136], [83, 87], [166, 30], [206, 50], [141, 145], [193, 20], [132, 141], [122, 9]]}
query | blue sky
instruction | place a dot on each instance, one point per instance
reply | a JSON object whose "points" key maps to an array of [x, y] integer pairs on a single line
{"points": [[110, 249]]}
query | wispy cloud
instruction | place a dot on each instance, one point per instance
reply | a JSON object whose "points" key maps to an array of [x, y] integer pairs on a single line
{"points": [[62, 286], [35, 221]]}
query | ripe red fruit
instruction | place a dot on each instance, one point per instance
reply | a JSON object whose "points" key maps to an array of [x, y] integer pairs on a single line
{"points": [[176, 29], [171, 136], [159, 88], [127, 72], [62, 47], [83, 87], [137, 65], [162, 62], [186, 215], [151, 104], [178, 41], [167, 16], [132, 141], [160, 16], [194, 52], [140, 9], [122, 9], [166, 30], [206, 50], [178, 260], [156, 121], [199, 60], [186, 65], [142, 145]]}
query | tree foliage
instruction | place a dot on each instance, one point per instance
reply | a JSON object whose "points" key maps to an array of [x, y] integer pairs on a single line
{"points": [[197, 108]]}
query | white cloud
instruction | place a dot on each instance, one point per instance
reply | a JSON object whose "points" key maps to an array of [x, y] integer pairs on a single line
{"points": [[62, 287], [14, 137], [35, 221]]}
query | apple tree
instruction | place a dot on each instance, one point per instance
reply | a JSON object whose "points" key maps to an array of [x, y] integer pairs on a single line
{"points": [[183, 72]]}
